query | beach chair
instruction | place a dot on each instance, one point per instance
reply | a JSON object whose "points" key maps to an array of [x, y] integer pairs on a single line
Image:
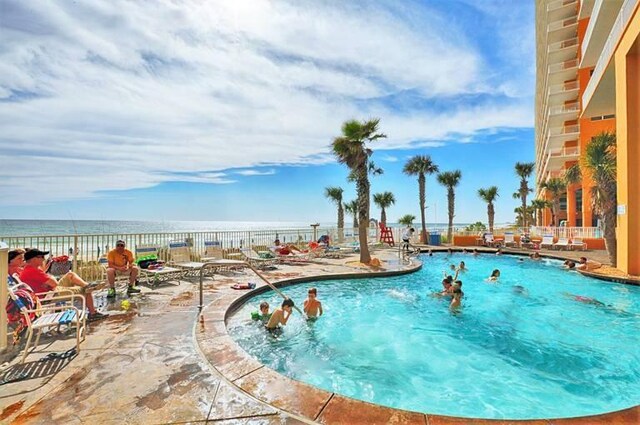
{"points": [[578, 243], [180, 257], [104, 265], [53, 315], [547, 240], [488, 239], [562, 243], [153, 277], [214, 254], [256, 261], [509, 239]]}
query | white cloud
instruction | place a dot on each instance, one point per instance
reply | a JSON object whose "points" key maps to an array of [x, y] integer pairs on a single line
{"points": [[99, 95], [256, 172]]}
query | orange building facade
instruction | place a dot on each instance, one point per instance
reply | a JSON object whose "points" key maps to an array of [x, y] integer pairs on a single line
{"points": [[587, 82]]}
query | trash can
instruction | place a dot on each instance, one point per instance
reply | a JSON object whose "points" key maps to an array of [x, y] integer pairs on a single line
{"points": [[434, 239]]}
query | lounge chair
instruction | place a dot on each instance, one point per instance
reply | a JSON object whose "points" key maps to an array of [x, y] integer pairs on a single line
{"points": [[510, 240], [155, 276], [488, 239], [547, 240], [214, 254], [53, 315], [180, 257], [256, 261], [562, 243], [578, 243]]}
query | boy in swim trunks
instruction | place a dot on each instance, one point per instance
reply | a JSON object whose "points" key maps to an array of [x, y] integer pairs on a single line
{"points": [[264, 314], [280, 316], [312, 307]]}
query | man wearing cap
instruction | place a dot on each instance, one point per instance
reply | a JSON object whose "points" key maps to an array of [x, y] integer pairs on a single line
{"points": [[121, 262], [33, 275]]}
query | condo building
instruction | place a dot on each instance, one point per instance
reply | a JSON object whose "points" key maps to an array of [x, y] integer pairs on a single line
{"points": [[587, 82]]}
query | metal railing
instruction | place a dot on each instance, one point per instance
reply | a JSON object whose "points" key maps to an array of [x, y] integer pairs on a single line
{"points": [[4, 271], [565, 109], [564, 44], [563, 66], [565, 151], [562, 23], [609, 47], [562, 131], [567, 232], [563, 88], [554, 5]]}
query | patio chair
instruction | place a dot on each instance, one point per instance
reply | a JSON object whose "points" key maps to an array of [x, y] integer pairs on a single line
{"points": [[256, 261], [154, 276], [562, 243], [52, 315], [488, 239], [547, 240], [214, 254], [578, 243], [104, 265], [509, 239]]}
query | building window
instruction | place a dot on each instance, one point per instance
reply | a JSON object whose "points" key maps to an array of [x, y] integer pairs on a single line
{"points": [[579, 200], [563, 203]]}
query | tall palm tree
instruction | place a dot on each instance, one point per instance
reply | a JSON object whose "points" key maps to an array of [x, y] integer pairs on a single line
{"points": [[527, 216], [557, 187], [538, 206], [384, 200], [524, 170], [350, 148], [421, 165], [352, 208], [407, 219], [489, 195], [599, 163], [334, 193], [450, 180]]}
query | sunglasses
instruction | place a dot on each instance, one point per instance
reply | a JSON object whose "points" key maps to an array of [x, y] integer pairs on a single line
{"points": [[120, 244]]}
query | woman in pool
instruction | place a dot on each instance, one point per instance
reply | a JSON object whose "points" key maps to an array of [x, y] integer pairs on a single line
{"points": [[494, 276]]}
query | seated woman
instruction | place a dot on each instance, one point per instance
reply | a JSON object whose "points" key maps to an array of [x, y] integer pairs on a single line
{"points": [[284, 249]]}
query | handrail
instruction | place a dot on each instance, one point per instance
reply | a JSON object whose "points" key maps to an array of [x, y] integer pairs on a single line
{"points": [[4, 272]]}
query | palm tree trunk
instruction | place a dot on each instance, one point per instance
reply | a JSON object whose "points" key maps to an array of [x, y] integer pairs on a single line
{"points": [[362, 187], [340, 222], [422, 190], [383, 218], [355, 221], [451, 198], [491, 214], [524, 210], [609, 229]]}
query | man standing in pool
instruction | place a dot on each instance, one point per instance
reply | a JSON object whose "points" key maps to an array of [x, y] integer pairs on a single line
{"points": [[280, 316], [312, 307]]}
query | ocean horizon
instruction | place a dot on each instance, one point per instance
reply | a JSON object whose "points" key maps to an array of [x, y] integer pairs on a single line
{"points": [[26, 227]]}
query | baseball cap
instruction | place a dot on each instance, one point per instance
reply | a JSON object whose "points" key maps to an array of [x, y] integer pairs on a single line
{"points": [[33, 253], [120, 242]]}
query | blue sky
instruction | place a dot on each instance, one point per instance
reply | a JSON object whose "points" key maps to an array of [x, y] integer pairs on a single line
{"points": [[226, 110]]}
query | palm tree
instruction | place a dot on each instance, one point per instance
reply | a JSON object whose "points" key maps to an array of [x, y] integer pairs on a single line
{"points": [[420, 165], [407, 219], [384, 200], [599, 163], [352, 208], [350, 149], [528, 215], [557, 187], [334, 193], [524, 170], [450, 180], [489, 195], [538, 206]]}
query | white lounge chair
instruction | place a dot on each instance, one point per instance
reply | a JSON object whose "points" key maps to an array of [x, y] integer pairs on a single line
{"points": [[255, 260], [547, 240], [488, 239], [578, 243], [509, 239], [180, 257], [563, 243], [52, 315], [154, 277]]}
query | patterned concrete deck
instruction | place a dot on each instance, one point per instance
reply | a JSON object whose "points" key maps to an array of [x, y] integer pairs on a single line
{"points": [[156, 363]]}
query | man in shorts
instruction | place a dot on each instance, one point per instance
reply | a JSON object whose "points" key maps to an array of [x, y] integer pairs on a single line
{"points": [[121, 262], [33, 275]]}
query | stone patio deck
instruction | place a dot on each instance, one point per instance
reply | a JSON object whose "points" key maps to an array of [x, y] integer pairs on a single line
{"points": [[156, 363]]}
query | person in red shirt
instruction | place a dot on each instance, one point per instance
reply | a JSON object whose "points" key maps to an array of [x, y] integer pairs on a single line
{"points": [[33, 275]]}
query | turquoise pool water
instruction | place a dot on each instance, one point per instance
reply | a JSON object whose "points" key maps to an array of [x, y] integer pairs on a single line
{"points": [[521, 348]]}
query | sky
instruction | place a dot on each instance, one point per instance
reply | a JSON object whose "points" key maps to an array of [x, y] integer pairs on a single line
{"points": [[226, 110]]}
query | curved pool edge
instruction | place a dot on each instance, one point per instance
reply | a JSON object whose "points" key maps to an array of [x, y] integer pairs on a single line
{"points": [[320, 406]]}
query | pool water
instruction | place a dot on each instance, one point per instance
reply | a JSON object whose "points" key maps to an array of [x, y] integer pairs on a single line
{"points": [[521, 348]]}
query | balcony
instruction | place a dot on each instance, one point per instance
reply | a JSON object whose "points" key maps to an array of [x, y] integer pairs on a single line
{"points": [[562, 71], [560, 135], [562, 4], [599, 95], [556, 174], [562, 29], [564, 44], [558, 157], [571, 64], [600, 23], [562, 23], [563, 92], [563, 50], [566, 112]]}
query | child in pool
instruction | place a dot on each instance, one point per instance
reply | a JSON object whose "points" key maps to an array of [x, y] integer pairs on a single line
{"points": [[280, 316], [312, 307], [264, 314], [456, 300], [462, 266]]}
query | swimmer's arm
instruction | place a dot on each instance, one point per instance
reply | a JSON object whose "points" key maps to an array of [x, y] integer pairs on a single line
{"points": [[285, 318], [320, 308], [457, 273], [305, 307]]}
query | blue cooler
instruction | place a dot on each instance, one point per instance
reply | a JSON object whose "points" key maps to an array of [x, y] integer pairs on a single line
{"points": [[434, 239]]}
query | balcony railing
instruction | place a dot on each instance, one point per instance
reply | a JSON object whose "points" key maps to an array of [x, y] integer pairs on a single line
{"points": [[563, 66], [571, 42], [609, 47], [558, 174], [565, 152], [555, 5], [562, 23], [565, 109], [563, 88], [561, 131]]}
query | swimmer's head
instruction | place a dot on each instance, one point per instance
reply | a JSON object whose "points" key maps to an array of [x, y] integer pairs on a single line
{"points": [[583, 260], [571, 265], [264, 307], [495, 273], [287, 304]]}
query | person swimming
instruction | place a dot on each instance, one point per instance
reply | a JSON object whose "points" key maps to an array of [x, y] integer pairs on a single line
{"points": [[495, 274]]}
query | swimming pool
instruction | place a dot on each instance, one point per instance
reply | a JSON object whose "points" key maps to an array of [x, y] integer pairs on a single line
{"points": [[521, 348]]}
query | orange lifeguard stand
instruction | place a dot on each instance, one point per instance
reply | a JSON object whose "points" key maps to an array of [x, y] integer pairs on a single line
{"points": [[386, 235]]}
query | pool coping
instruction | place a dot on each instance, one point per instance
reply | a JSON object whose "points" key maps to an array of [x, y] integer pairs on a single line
{"points": [[315, 405]]}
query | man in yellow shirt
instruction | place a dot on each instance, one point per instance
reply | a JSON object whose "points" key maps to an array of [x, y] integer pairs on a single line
{"points": [[121, 262]]}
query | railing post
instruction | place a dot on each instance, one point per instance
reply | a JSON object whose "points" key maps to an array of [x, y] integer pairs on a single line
{"points": [[4, 270], [75, 253]]}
